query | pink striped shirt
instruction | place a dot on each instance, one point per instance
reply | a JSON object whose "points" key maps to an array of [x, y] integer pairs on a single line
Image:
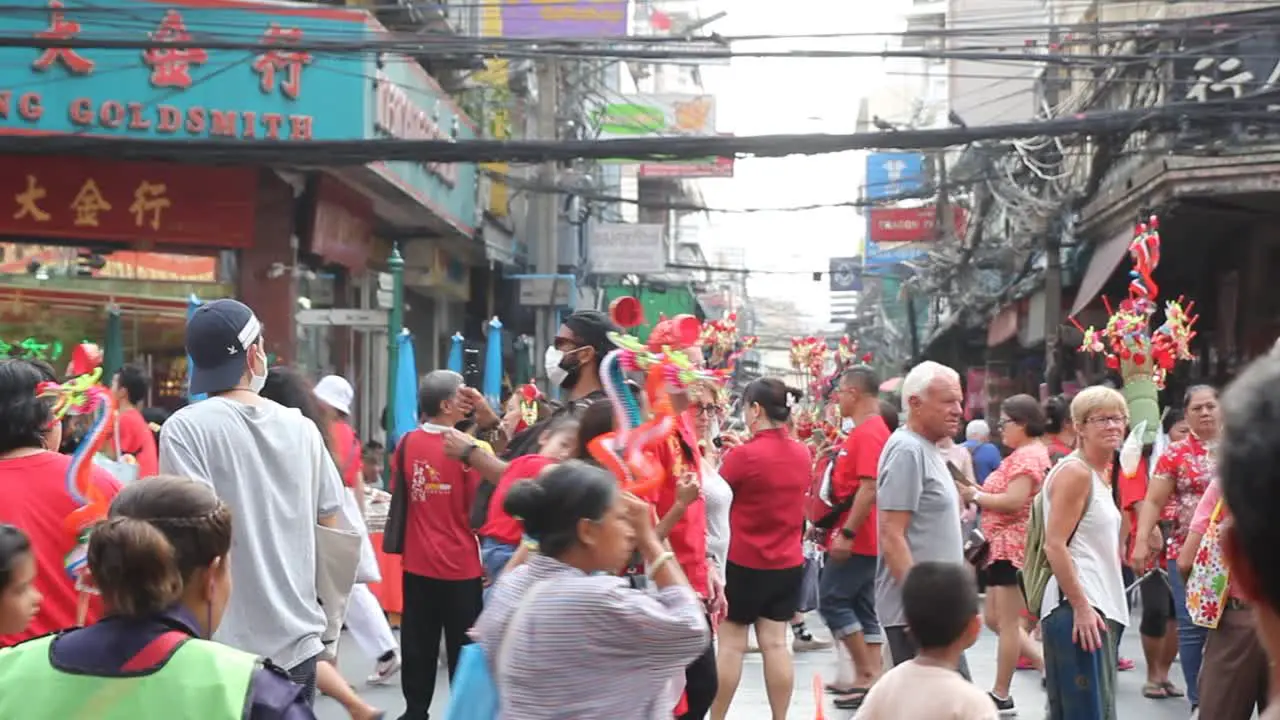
{"points": [[590, 646]]}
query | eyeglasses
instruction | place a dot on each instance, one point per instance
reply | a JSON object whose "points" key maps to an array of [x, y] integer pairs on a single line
{"points": [[1001, 422], [1108, 420], [702, 409]]}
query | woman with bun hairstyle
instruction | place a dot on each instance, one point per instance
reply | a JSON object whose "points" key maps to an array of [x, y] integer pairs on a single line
{"points": [[769, 475], [568, 639], [160, 561]]}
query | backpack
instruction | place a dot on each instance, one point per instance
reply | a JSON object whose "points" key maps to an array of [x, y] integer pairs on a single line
{"points": [[1034, 576], [822, 513]]}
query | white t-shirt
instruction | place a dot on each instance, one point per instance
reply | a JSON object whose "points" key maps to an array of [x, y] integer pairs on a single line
{"points": [[916, 690], [269, 464]]}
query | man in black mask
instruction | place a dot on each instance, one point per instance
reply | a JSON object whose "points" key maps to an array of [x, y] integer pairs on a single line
{"points": [[573, 363]]}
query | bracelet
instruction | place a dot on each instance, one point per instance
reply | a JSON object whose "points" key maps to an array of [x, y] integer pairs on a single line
{"points": [[530, 544], [658, 562]]}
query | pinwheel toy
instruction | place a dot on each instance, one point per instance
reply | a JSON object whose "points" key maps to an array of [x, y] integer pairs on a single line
{"points": [[633, 451], [83, 395], [1143, 357]]}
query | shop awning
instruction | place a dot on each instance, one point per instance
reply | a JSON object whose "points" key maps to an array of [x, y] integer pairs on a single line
{"points": [[1106, 257]]}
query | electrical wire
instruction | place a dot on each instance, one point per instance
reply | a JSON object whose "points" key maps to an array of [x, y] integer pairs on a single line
{"points": [[334, 153]]}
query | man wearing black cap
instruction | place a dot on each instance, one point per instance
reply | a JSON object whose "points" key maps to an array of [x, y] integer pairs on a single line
{"points": [[265, 461]]}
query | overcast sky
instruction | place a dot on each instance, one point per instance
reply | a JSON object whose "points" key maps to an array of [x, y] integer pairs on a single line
{"points": [[760, 96]]}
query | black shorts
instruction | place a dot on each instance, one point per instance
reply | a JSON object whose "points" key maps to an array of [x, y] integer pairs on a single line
{"points": [[761, 594], [1002, 573], [1157, 605]]}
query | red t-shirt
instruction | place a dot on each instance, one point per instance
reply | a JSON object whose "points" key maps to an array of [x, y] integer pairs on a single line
{"points": [[438, 540], [33, 498], [346, 452], [136, 439], [689, 536], [858, 459], [769, 475], [499, 525]]}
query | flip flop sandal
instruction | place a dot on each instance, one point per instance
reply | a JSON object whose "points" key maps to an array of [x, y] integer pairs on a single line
{"points": [[852, 700], [1155, 691], [837, 690], [1172, 690]]}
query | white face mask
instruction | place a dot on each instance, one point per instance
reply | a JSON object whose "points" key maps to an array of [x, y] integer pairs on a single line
{"points": [[256, 381], [551, 363], [846, 425]]}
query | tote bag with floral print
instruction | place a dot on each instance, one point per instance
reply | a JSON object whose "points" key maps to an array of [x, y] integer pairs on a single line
{"points": [[1207, 586]]}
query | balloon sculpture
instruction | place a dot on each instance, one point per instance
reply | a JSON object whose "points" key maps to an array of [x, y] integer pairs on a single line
{"points": [[83, 395], [633, 451], [1144, 358], [818, 422], [528, 397], [721, 343]]}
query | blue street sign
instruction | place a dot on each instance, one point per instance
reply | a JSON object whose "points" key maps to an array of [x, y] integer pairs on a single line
{"points": [[893, 174]]}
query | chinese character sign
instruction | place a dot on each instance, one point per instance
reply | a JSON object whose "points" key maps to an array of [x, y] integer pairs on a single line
{"points": [[211, 207], [891, 175], [177, 89], [1232, 63]]}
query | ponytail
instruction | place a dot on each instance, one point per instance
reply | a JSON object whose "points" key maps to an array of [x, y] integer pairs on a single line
{"points": [[134, 566]]}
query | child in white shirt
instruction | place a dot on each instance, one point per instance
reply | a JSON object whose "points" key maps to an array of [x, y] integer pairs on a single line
{"points": [[941, 604]]}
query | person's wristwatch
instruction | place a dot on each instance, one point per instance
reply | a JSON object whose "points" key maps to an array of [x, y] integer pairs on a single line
{"points": [[846, 533], [466, 454]]}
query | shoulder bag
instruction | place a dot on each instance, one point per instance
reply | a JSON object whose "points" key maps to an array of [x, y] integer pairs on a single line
{"points": [[398, 512]]}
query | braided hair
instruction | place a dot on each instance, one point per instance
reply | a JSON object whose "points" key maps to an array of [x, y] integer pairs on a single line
{"points": [[159, 532]]}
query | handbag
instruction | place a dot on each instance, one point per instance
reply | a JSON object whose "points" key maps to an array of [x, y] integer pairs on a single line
{"points": [[1210, 576], [337, 559], [351, 520], [398, 511], [473, 693], [976, 546]]}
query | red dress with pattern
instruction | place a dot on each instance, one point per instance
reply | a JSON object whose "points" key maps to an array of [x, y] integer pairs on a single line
{"points": [[1190, 465], [1006, 532]]}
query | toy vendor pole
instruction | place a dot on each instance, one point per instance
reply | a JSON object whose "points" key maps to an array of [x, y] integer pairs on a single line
{"points": [[395, 323]]}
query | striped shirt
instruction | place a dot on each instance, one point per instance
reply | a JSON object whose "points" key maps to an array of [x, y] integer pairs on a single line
{"points": [[589, 647]]}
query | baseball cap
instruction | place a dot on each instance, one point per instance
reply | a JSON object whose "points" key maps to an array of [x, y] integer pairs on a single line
{"points": [[219, 334], [336, 392]]}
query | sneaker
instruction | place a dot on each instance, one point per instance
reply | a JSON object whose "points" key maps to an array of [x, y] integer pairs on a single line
{"points": [[809, 643], [385, 670], [1003, 705]]}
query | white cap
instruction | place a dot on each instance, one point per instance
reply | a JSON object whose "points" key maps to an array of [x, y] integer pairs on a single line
{"points": [[336, 392]]}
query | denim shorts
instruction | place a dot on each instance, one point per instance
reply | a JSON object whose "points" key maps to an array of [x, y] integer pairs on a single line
{"points": [[495, 555], [847, 600]]}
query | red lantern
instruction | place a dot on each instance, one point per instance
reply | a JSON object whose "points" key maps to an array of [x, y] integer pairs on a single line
{"points": [[626, 311]]}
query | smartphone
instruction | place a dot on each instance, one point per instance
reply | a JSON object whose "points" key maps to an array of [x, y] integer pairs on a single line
{"points": [[718, 441]]}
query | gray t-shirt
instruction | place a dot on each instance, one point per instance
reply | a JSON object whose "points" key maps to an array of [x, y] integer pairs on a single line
{"points": [[269, 464], [913, 477]]}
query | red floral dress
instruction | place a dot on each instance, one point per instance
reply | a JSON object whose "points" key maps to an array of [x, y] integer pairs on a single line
{"points": [[1190, 465], [1006, 532]]}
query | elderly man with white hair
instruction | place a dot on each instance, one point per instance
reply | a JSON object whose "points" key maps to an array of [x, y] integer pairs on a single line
{"points": [[918, 504], [986, 456]]}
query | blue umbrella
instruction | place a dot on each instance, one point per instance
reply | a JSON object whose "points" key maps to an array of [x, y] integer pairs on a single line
{"points": [[493, 364], [455, 353], [193, 302], [406, 400]]}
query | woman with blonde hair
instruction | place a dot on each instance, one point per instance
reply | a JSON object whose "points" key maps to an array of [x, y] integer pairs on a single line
{"points": [[1084, 606]]}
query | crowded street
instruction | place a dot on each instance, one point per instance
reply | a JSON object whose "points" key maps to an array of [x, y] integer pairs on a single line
{"points": [[752, 703], [639, 360]]}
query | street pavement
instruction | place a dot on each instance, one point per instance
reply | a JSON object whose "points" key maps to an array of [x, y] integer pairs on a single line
{"points": [[750, 703]]}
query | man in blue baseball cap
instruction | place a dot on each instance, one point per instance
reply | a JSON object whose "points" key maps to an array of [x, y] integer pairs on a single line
{"points": [[224, 341], [264, 460]]}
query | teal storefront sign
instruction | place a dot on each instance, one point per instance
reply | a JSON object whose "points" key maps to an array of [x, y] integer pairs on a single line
{"points": [[408, 104], [184, 91]]}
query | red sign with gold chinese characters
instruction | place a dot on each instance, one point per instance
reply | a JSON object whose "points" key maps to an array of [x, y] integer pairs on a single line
{"points": [[156, 204]]}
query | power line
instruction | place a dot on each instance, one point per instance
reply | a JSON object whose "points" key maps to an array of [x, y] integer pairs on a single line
{"points": [[335, 153]]}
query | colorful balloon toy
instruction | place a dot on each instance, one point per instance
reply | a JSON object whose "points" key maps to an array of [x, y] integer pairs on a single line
{"points": [[83, 395], [1142, 356], [634, 450]]}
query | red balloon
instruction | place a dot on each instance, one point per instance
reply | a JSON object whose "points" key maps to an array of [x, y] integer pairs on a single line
{"points": [[688, 330], [626, 311]]}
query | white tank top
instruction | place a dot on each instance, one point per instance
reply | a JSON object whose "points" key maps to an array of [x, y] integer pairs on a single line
{"points": [[1095, 551]]}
